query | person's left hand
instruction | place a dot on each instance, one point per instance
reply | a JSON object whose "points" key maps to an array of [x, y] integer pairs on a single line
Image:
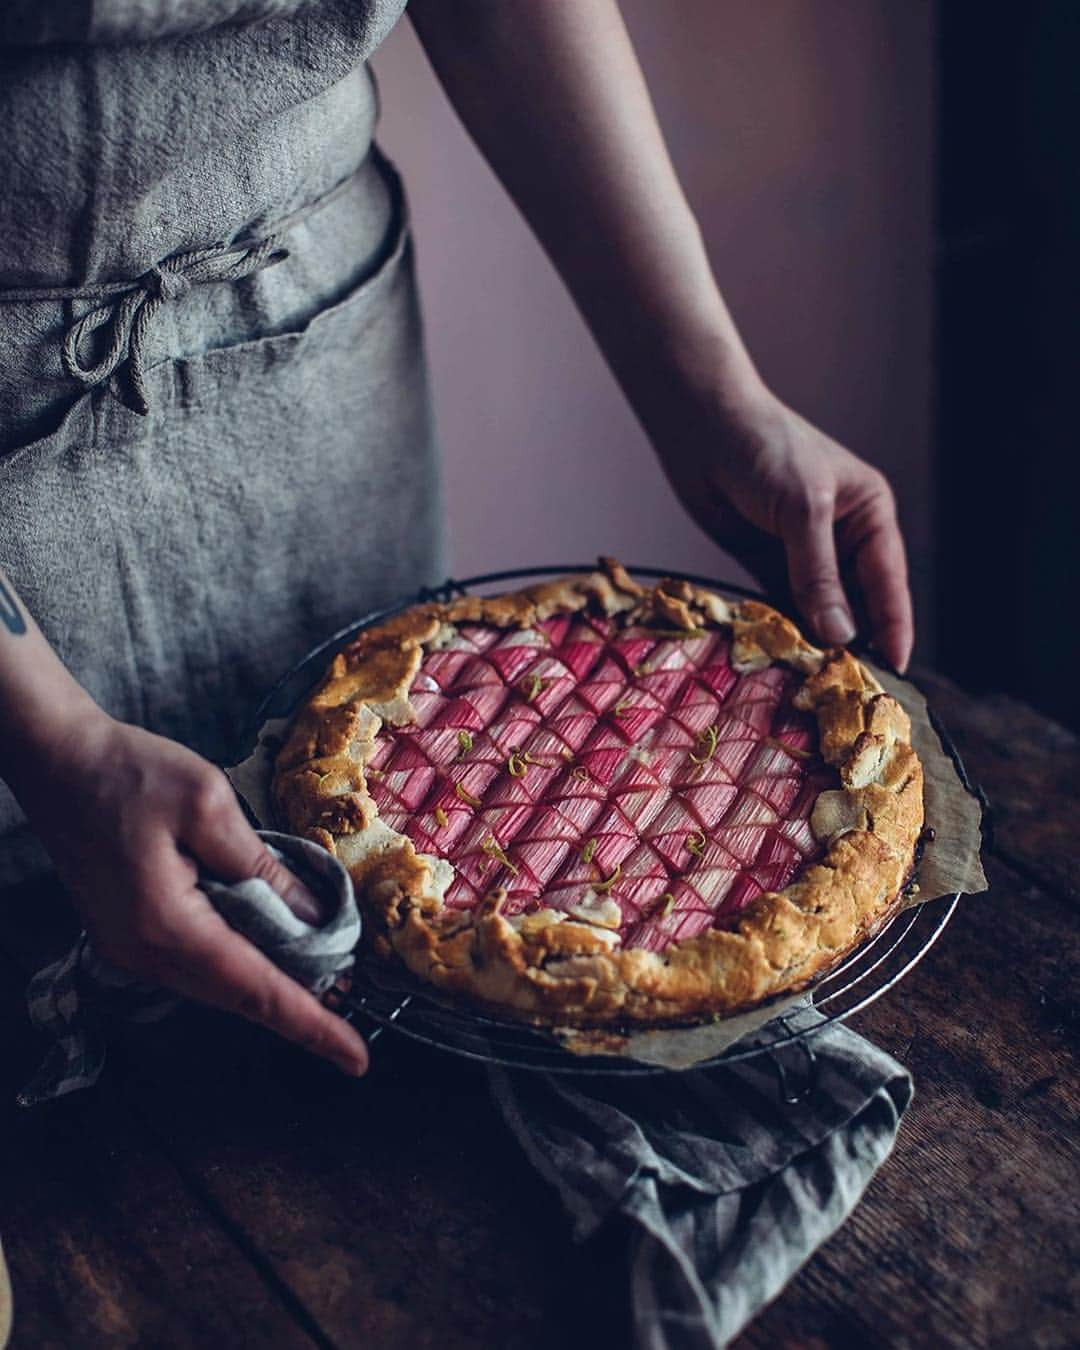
{"points": [[782, 497]]}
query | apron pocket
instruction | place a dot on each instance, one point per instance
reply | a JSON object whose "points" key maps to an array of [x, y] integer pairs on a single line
{"points": [[77, 423], [345, 318], [342, 259]]}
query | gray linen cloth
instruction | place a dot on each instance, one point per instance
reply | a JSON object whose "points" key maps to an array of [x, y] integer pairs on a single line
{"points": [[71, 999], [728, 1188]]}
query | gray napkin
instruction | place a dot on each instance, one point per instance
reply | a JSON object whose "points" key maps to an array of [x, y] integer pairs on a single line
{"points": [[729, 1189], [73, 999]]}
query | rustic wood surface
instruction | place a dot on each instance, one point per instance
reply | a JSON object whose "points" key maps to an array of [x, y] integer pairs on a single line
{"points": [[219, 1189]]}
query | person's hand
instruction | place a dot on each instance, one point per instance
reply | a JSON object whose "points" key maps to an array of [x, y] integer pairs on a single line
{"points": [[127, 816], [784, 498]]}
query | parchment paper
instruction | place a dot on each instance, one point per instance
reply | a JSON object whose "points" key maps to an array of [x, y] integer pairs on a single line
{"points": [[950, 865], [251, 778]]}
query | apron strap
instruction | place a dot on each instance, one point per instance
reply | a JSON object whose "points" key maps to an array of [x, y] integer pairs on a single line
{"points": [[127, 308]]}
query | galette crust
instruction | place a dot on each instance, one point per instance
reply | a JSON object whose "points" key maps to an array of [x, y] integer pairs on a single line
{"points": [[549, 968]]}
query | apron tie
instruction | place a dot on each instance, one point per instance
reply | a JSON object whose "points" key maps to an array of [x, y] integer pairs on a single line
{"points": [[128, 308]]}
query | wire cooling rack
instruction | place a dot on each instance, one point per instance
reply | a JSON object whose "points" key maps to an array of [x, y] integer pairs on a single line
{"points": [[389, 998]]}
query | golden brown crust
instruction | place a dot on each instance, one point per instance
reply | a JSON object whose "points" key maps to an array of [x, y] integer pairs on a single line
{"points": [[549, 967]]}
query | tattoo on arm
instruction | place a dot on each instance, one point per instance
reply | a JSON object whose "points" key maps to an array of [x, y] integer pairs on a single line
{"points": [[10, 614]]}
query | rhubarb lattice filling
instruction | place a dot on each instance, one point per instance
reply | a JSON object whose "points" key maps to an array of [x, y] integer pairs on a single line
{"points": [[616, 774]]}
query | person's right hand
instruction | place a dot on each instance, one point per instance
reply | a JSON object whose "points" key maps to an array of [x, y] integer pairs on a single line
{"points": [[779, 495], [128, 817]]}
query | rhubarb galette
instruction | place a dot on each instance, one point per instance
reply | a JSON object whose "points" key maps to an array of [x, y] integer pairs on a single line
{"points": [[594, 802]]}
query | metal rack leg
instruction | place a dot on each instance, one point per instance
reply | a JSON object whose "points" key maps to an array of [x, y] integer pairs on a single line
{"points": [[378, 1031], [347, 1007]]}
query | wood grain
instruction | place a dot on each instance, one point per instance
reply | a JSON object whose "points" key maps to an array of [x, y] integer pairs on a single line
{"points": [[106, 1243], [1030, 768], [398, 1207]]}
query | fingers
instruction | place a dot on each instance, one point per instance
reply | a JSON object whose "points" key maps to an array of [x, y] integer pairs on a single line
{"points": [[815, 573], [873, 540], [222, 841], [174, 937], [212, 964], [881, 570]]}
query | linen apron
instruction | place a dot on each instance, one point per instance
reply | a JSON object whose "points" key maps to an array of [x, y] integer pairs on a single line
{"points": [[216, 442]]}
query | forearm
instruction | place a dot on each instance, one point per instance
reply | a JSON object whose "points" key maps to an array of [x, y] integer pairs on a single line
{"points": [[40, 702], [552, 93]]}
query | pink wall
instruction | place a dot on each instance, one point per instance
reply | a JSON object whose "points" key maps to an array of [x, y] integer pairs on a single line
{"points": [[803, 135]]}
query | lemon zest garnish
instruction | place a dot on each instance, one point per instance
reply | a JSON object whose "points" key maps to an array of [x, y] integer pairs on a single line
{"points": [[532, 759], [441, 818], [684, 633], [707, 739], [787, 749], [695, 842], [533, 685], [466, 796], [642, 668], [602, 887], [582, 773], [620, 707], [494, 849], [567, 754], [465, 743], [669, 904], [516, 766], [588, 851]]}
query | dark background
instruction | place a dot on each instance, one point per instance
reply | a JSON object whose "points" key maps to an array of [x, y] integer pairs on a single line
{"points": [[1008, 355]]}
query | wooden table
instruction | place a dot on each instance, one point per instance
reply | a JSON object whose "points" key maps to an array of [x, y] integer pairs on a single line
{"points": [[219, 1189]]}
